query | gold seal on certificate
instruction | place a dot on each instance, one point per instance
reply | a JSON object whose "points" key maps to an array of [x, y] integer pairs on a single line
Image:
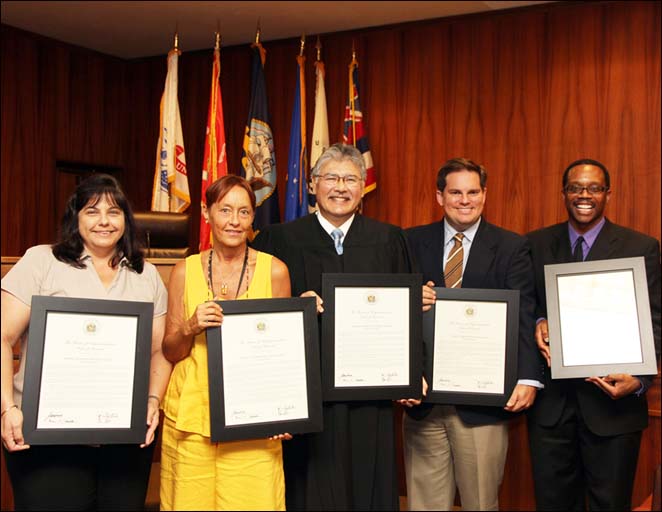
{"points": [[91, 326]]}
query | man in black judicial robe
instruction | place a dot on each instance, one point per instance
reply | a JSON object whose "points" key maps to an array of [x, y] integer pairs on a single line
{"points": [[351, 464]]}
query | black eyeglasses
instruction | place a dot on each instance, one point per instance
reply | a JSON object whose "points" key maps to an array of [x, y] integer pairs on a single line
{"points": [[591, 189]]}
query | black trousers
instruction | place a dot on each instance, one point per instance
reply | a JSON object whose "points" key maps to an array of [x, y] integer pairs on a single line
{"points": [[573, 467], [76, 477]]}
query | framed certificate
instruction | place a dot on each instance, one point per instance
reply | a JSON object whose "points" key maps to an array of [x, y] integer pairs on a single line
{"points": [[263, 363], [599, 318], [371, 336], [87, 371], [471, 337]]}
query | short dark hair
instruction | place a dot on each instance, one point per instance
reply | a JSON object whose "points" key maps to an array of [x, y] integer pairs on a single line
{"points": [[460, 164], [586, 161], [224, 184], [69, 247]]}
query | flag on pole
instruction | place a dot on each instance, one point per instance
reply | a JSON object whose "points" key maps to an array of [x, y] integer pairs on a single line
{"points": [[296, 198], [215, 164], [354, 131], [170, 192], [258, 161], [320, 123]]}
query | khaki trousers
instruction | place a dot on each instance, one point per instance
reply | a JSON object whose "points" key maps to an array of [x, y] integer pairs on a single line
{"points": [[442, 452]]}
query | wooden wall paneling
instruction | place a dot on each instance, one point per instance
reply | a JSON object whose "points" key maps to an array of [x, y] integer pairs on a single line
{"points": [[421, 85], [27, 127], [515, 91], [145, 82]]}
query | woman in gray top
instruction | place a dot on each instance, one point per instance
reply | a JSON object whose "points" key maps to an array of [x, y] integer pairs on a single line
{"points": [[97, 256]]}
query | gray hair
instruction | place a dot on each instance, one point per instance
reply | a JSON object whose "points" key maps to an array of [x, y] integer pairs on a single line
{"points": [[339, 152]]}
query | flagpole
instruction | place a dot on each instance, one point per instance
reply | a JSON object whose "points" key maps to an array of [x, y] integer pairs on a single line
{"points": [[301, 59], [351, 93]]}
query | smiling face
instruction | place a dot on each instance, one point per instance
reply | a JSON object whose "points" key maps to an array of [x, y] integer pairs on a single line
{"points": [[462, 199], [101, 224], [231, 217], [338, 200], [585, 209]]}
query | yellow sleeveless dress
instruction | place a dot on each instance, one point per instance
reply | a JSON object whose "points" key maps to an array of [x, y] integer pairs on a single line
{"points": [[197, 474]]}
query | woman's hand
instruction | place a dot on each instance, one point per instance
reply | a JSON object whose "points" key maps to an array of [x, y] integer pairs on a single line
{"points": [[207, 314], [153, 418], [281, 437], [318, 300], [12, 430]]}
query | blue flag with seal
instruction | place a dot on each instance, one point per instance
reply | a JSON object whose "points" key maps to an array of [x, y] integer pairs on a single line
{"points": [[258, 161], [296, 198]]}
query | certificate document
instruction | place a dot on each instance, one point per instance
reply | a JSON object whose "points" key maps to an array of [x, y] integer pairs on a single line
{"points": [[598, 312], [599, 318], [87, 377], [469, 346], [372, 327], [264, 368]]}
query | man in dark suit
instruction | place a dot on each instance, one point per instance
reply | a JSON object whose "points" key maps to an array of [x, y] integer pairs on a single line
{"points": [[448, 445], [351, 464], [584, 435]]}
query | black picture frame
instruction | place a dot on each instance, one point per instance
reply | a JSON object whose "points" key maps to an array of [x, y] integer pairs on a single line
{"points": [[471, 296], [220, 430], [89, 311], [640, 337], [330, 283]]}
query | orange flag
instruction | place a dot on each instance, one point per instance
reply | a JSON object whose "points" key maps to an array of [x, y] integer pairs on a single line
{"points": [[215, 163]]}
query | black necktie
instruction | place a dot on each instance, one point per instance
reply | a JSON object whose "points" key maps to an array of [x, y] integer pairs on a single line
{"points": [[578, 253]]}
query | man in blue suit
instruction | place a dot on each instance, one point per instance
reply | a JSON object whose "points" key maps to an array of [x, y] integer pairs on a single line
{"points": [[449, 445]]}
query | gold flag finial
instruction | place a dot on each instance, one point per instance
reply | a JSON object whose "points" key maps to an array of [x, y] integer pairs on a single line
{"points": [[257, 32], [353, 50], [303, 44], [319, 48], [176, 45], [217, 35]]}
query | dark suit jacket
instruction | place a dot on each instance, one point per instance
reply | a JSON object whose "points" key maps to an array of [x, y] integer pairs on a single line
{"points": [[603, 416], [498, 259]]}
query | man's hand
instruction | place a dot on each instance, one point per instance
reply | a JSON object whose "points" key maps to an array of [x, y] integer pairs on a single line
{"points": [[617, 385], [411, 402], [429, 296], [522, 398], [542, 340]]}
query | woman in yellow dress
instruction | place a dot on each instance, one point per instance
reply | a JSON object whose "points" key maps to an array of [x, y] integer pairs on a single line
{"points": [[197, 474]]}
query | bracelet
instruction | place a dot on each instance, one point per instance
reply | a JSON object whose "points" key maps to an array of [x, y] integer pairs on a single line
{"points": [[8, 409], [158, 400]]}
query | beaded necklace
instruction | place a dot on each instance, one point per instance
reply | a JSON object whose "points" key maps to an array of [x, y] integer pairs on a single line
{"points": [[224, 287]]}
